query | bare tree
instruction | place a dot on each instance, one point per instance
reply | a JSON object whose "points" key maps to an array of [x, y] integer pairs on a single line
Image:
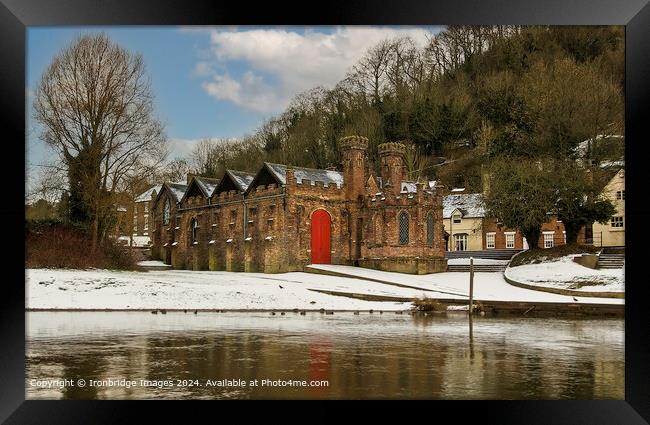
{"points": [[96, 109]]}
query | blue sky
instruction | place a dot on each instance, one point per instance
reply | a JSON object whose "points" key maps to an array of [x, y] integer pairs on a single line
{"points": [[218, 82]]}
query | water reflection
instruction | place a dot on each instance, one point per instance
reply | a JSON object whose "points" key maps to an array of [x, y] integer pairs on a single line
{"points": [[388, 356]]}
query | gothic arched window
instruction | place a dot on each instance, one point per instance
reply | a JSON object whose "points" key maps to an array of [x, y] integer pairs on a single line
{"points": [[430, 228], [194, 227], [166, 211], [403, 228]]}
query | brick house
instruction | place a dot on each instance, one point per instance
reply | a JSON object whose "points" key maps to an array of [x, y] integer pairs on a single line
{"points": [[283, 218]]}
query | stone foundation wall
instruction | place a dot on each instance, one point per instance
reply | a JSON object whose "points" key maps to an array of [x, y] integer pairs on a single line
{"points": [[410, 265]]}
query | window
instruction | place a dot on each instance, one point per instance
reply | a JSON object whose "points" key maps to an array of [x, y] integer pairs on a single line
{"points": [[430, 228], [146, 223], [270, 219], [489, 240], [166, 212], [564, 236], [617, 221], [548, 239], [456, 218], [460, 241], [194, 227], [620, 194], [510, 240], [233, 217], [403, 228], [146, 207]]}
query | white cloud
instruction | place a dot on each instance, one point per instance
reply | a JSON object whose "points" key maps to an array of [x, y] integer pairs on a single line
{"points": [[181, 148], [282, 63]]}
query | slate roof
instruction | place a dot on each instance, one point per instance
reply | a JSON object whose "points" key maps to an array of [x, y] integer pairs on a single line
{"points": [[177, 190], [206, 184], [326, 176], [469, 204], [146, 195], [241, 178]]}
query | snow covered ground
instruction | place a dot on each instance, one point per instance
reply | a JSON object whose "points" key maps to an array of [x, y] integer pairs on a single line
{"points": [[487, 286], [180, 289], [564, 273]]}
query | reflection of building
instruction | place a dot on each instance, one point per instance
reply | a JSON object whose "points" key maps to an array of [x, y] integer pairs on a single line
{"points": [[283, 217], [613, 233]]}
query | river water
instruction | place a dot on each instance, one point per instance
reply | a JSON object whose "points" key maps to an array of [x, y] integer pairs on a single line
{"points": [[139, 355]]}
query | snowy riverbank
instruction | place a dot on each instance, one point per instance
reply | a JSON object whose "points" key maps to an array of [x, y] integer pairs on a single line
{"points": [[180, 289], [564, 273]]}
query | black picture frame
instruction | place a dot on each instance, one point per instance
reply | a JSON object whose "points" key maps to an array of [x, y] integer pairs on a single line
{"points": [[16, 15]]}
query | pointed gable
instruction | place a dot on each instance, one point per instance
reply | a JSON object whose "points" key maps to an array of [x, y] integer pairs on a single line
{"points": [[234, 180], [372, 186], [269, 173], [175, 190], [200, 186]]}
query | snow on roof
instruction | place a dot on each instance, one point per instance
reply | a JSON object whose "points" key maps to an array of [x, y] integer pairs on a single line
{"points": [[207, 184], [121, 209], [408, 187], [146, 195], [241, 178], [469, 204], [177, 190], [312, 174], [458, 189]]}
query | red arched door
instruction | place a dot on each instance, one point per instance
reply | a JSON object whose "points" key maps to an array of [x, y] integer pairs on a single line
{"points": [[320, 237]]}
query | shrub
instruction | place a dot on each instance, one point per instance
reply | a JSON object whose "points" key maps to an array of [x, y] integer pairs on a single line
{"points": [[54, 245], [427, 304]]}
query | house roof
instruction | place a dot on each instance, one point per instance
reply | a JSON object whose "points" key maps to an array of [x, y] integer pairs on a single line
{"points": [[177, 190], [206, 186], [146, 195], [241, 179], [469, 204], [328, 177]]}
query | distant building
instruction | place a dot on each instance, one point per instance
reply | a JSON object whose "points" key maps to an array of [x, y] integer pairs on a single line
{"points": [[140, 235], [613, 233], [467, 228]]}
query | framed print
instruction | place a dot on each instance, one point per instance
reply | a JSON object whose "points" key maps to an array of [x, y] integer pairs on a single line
{"points": [[413, 201]]}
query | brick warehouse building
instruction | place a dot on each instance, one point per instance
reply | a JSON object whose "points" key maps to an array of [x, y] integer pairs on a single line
{"points": [[284, 217]]}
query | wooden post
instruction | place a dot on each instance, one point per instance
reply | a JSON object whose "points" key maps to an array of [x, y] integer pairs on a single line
{"points": [[471, 305], [471, 285]]}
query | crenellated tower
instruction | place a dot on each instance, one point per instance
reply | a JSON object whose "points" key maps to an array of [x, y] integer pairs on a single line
{"points": [[391, 157], [353, 153]]}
